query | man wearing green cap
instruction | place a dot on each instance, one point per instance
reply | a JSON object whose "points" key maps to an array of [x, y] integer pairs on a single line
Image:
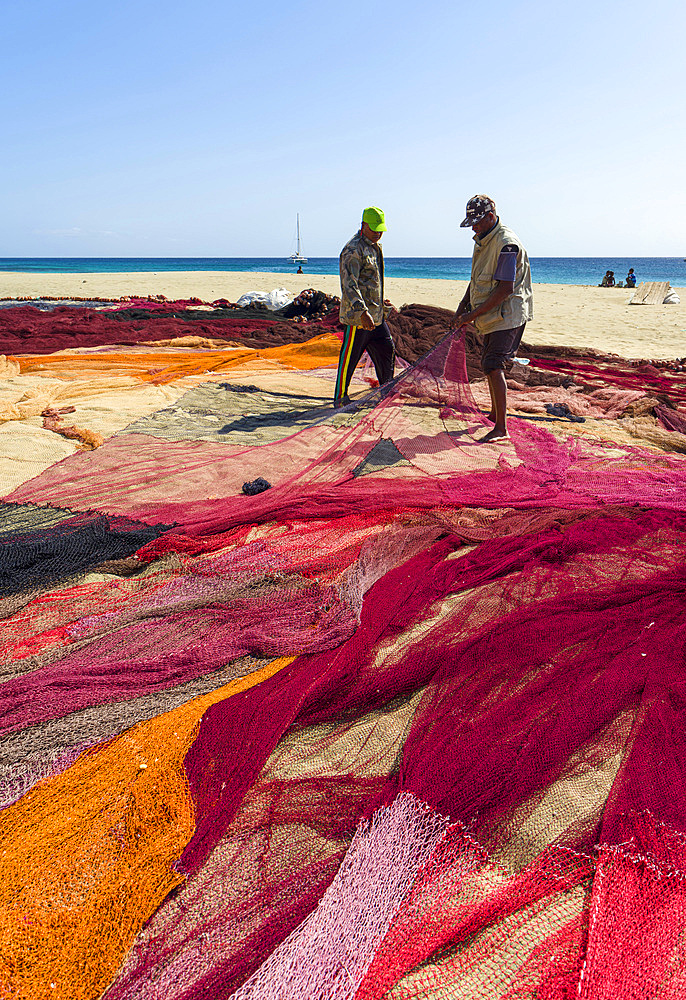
{"points": [[363, 308]]}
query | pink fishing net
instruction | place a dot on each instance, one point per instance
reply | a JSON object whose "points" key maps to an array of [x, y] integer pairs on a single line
{"points": [[408, 723]]}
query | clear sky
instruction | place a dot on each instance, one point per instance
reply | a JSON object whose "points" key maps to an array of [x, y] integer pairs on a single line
{"points": [[142, 128]]}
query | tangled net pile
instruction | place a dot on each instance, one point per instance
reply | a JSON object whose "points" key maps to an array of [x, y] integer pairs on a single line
{"points": [[408, 724]]}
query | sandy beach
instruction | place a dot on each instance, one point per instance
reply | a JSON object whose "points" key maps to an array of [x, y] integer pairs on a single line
{"points": [[572, 315]]}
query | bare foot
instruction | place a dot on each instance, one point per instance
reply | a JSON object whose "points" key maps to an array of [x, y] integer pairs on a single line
{"points": [[495, 435]]}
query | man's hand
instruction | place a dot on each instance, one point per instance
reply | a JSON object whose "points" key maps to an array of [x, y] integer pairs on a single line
{"points": [[366, 321], [465, 318]]}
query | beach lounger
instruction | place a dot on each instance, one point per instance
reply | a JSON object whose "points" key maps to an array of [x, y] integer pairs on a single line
{"points": [[650, 293]]}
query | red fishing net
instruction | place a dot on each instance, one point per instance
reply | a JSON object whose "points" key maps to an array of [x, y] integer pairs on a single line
{"points": [[408, 723], [27, 330]]}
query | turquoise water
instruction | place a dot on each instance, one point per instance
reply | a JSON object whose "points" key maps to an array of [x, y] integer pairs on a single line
{"points": [[548, 270]]}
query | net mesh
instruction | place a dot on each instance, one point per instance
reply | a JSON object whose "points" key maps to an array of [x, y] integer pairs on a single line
{"points": [[407, 724]]}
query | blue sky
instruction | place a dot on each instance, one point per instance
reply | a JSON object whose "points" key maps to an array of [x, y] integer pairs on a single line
{"points": [[200, 129]]}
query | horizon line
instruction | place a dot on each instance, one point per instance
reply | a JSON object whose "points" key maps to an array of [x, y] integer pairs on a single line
{"points": [[334, 257]]}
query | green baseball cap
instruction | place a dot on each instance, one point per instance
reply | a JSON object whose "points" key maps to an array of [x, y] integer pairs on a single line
{"points": [[374, 218]]}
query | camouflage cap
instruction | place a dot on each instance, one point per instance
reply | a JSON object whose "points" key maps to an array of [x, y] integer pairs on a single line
{"points": [[477, 207]]}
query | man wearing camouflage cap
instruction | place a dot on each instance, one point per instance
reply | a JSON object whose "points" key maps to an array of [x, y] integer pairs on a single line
{"points": [[498, 301], [363, 308]]}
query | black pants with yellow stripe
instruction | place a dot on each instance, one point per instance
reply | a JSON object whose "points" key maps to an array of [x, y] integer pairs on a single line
{"points": [[378, 344]]}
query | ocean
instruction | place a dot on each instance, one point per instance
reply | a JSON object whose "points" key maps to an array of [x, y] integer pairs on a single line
{"points": [[548, 270]]}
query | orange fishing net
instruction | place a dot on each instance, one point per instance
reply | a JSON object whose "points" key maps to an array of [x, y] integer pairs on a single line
{"points": [[108, 832], [160, 367]]}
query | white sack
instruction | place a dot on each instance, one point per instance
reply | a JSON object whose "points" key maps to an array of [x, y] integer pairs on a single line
{"points": [[276, 299]]}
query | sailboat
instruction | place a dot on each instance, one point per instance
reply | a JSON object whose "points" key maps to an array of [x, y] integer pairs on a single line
{"points": [[297, 257]]}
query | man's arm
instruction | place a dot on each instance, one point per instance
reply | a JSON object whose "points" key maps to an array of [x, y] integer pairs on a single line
{"points": [[504, 274], [350, 273], [464, 306], [496, 298]]}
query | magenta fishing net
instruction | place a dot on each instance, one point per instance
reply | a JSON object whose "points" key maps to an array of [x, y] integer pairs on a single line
{"points": [[409, 723]]}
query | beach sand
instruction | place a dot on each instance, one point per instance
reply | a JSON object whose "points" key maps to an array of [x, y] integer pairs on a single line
{"points": [[569, 315]]}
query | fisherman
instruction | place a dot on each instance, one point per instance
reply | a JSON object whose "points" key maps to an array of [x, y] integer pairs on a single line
{"points": [[363, 309], [498, 301]]}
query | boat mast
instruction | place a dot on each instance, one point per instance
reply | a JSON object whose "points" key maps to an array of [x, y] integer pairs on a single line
{"points": [[297, 257]]}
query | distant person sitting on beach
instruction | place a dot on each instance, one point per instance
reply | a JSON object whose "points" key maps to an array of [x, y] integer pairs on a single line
{"points": [[631, 279], [498, 301], [363, 309], [300, 270], [608, 280]]}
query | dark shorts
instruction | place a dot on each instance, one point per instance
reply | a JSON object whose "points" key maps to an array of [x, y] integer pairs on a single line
{"points": [[500, 347]]}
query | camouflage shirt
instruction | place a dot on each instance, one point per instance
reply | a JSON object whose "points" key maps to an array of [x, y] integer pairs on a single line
{"points": [[361, 266]]}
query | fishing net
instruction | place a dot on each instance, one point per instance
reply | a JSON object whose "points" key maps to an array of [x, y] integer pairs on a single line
{"points": [[38, 547], [408, 723], [26, 329]]}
